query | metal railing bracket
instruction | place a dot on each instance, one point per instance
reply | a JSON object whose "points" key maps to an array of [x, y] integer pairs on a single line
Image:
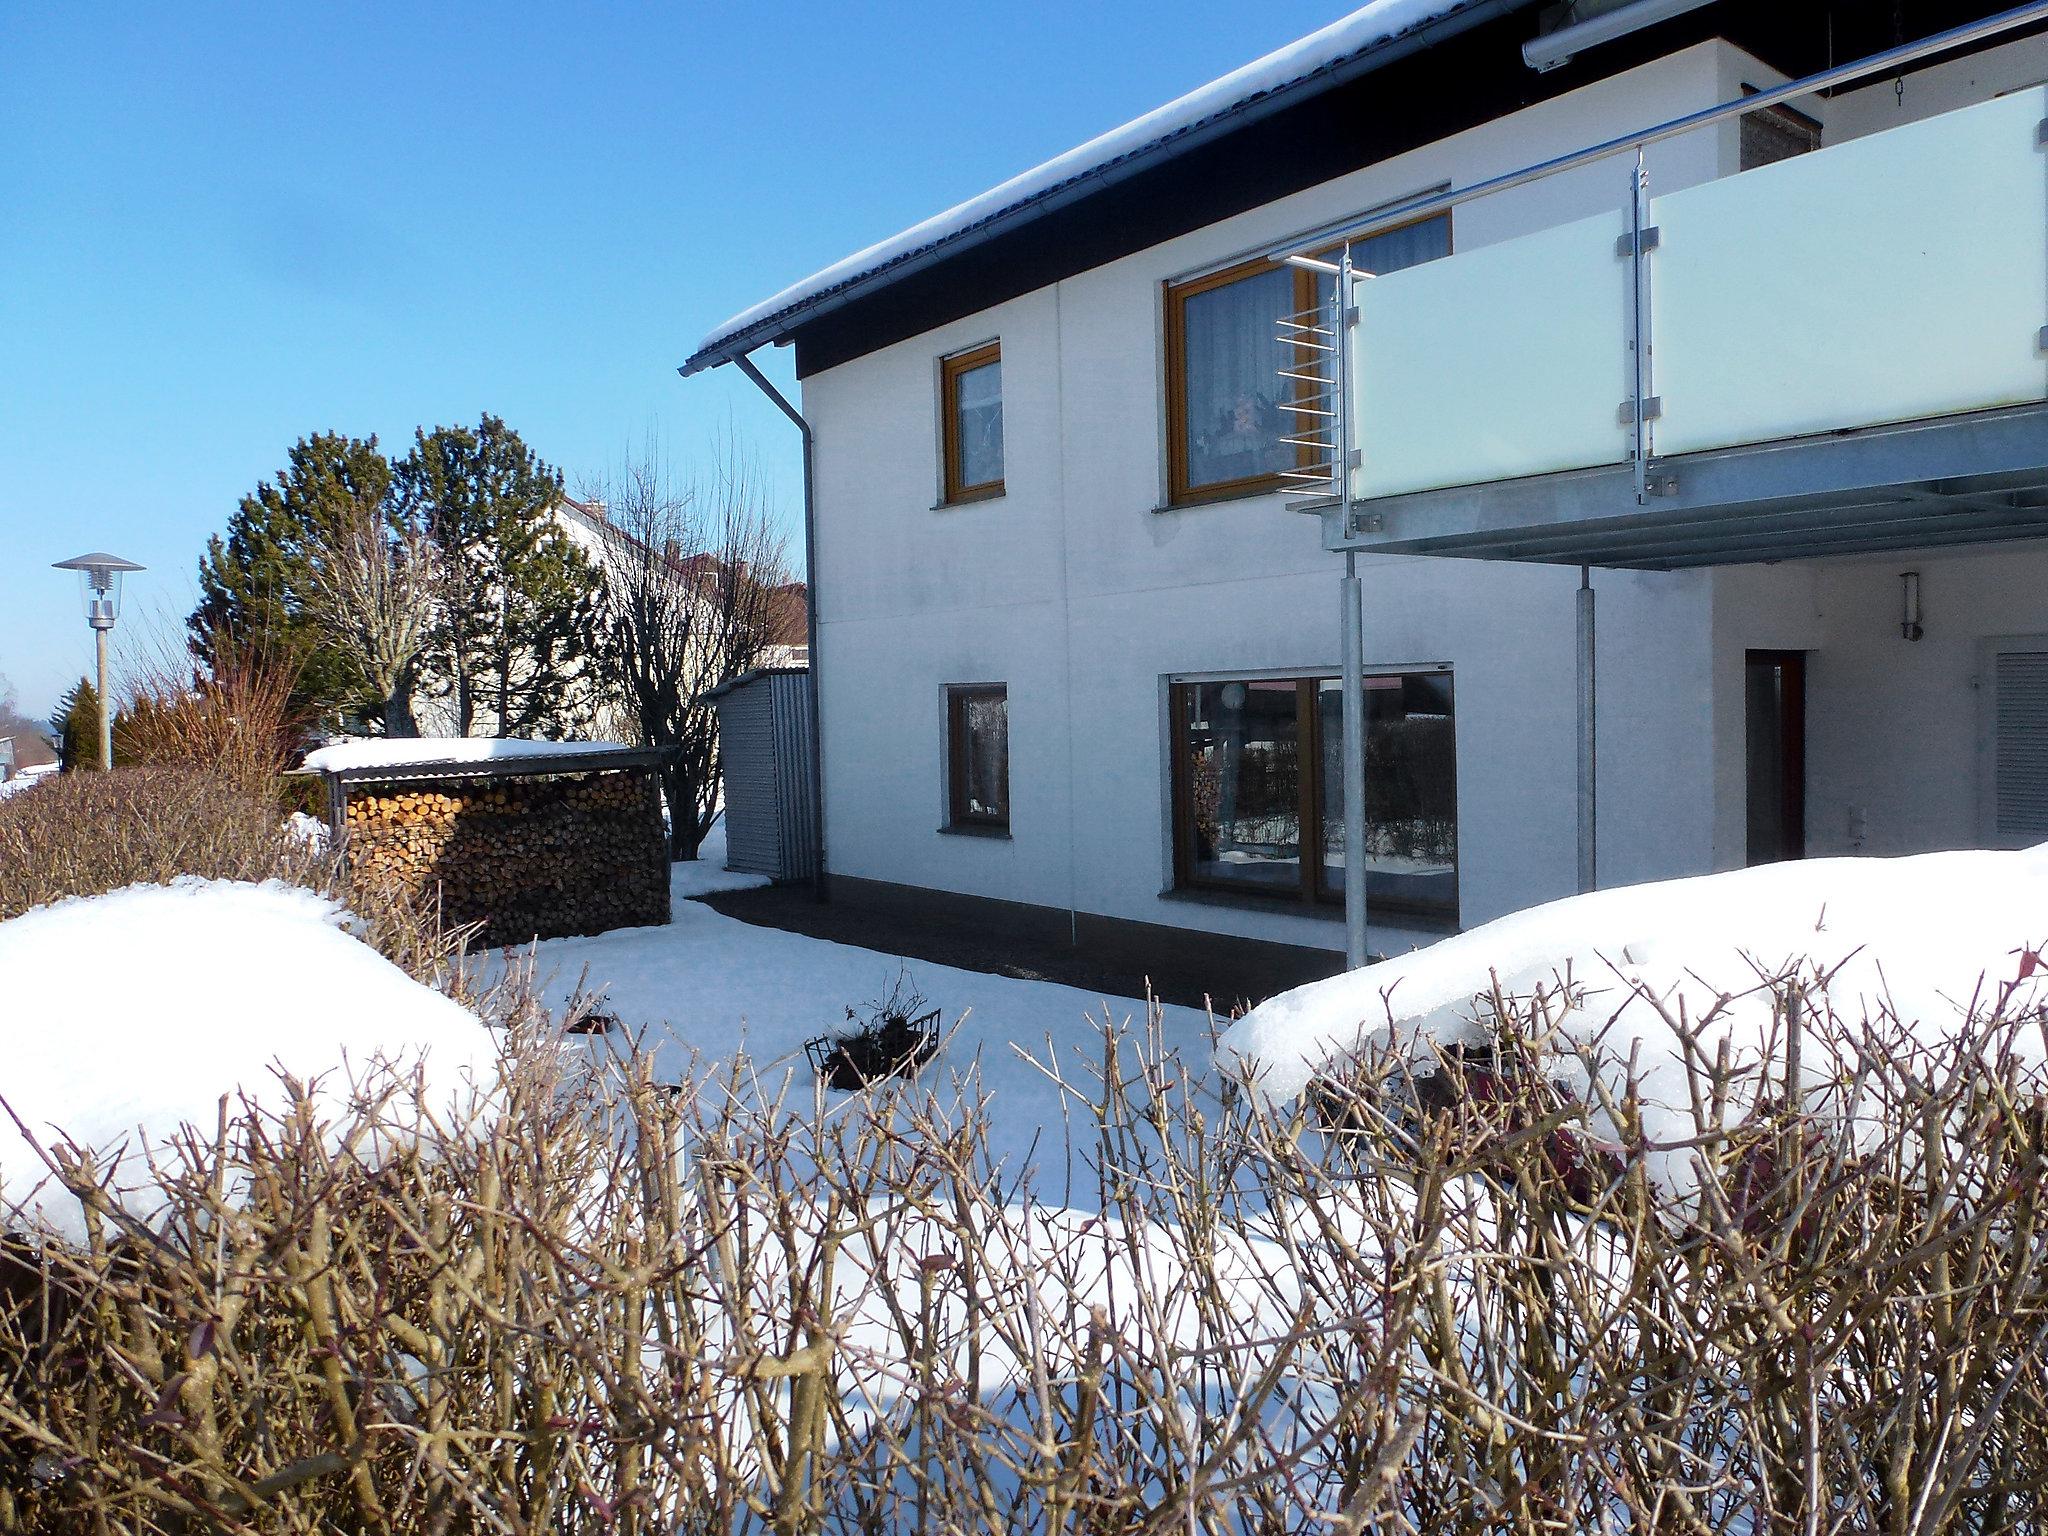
{"points": [[1625, 245]]}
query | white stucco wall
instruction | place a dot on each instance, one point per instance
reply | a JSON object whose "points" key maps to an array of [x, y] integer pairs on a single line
{"points": [[1894, 731], [1075, 591]]}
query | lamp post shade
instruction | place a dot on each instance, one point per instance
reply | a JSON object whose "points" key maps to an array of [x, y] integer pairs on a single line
{"points": [[100, 582], [99, 579]]}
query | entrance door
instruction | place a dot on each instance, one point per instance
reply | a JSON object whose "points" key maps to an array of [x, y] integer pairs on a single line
{"points": [[1774, 705]]}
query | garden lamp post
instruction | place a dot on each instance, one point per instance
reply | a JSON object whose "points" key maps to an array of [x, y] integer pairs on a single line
{"points": [[99, 580]]}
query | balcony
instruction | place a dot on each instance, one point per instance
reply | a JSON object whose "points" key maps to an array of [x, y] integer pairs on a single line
{"points": [[1846, 351]]}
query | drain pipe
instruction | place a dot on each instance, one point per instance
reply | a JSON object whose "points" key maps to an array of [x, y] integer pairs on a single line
{"points": [[1589, 759], [746, 365]]}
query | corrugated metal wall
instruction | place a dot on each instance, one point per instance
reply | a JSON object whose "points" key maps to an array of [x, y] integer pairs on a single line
{"points": [[796, 812], [764, 730]]}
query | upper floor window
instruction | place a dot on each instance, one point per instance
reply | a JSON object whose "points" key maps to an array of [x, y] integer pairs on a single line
{"points": [[1225, 393], [971, 414], [978, 757]]}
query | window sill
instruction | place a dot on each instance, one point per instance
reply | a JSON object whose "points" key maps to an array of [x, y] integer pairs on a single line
{"points": [[1000, 834], [1196, 503], [975, 500]]}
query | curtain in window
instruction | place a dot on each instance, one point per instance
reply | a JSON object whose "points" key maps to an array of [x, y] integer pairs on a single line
{"points": [[980, 405], [1234, 358], [1409, 246]]}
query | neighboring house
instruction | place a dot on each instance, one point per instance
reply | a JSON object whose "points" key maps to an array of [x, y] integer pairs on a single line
{"points": [[1079, 649], [22, 751], [588, 527]]}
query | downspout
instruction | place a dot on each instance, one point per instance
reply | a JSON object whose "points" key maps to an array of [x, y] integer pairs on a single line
{"points": [[746, 366]]}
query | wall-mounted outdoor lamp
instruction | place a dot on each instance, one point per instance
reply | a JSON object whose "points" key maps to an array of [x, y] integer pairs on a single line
{"points": [[99, 581], [1909, 605]]}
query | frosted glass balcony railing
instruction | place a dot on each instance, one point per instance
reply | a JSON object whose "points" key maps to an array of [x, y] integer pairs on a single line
{"points": [[1890, 278]]}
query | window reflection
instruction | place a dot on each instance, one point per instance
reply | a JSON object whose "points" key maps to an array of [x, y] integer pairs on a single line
{"points": [[1244, 773], [1260, 789]]}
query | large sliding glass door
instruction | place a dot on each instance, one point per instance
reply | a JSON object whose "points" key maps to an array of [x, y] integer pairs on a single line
{"points": [[1258, 790]]}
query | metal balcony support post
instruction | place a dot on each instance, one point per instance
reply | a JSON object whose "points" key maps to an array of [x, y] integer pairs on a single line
{"points": [[1356, 928], [1589, 787], [1355, 923]]}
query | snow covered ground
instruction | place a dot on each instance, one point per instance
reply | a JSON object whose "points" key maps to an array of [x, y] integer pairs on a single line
{"points": [[132, 1014], [709, 986]]}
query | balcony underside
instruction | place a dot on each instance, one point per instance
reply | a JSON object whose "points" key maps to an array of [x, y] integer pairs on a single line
{"points": [[1958, 480]]}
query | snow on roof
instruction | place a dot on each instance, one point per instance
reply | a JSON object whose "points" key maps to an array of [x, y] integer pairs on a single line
{"points": [[34, 774], [131, 1014], [1369, 26], [1911, 939], [415, 751]]}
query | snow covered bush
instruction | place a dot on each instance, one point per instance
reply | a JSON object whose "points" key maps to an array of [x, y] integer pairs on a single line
{"points": [[1646, 991], [739, 1305], [160, 1001], [83, 834]]}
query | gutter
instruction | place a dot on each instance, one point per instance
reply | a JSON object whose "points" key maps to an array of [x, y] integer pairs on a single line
{"points": [[777, 328], [746, 365]]}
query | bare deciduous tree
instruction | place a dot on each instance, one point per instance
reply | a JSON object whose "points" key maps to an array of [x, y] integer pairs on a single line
{"points": [[697, 592], [373, 580]]}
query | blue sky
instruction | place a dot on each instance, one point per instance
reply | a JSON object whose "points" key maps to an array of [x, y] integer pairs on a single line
{"points": [[228, 226]]}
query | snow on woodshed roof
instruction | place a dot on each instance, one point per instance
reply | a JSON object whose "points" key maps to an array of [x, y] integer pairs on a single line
{"points": [[439, 751]]}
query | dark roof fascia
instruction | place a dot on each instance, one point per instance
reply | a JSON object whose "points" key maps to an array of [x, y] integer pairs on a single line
{"points": [[780, 327]]}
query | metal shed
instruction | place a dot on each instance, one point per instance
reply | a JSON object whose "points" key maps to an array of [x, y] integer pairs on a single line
{"points": [[764, 749]]}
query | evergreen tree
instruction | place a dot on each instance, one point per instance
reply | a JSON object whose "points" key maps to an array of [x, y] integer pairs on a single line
{"points": [[78, 727], [514, 626], [258, 587]]}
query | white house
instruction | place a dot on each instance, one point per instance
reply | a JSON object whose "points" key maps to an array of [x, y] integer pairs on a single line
{"points": [[1079, 648]]}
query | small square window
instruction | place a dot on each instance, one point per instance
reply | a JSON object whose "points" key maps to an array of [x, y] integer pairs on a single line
{"points": [[978, 756], [971, 412]]}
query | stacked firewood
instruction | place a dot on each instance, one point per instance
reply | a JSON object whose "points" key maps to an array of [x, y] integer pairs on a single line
{"points": [[527, 858]]}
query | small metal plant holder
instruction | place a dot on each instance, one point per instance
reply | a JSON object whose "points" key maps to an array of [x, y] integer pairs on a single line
{"points": [[896, 1040]]}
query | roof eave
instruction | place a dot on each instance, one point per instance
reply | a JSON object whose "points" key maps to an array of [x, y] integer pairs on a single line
{"points": [[781, 328]]}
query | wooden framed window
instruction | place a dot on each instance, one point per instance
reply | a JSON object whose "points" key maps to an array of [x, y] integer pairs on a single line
{"points": [[971, 423], [978, 757], [1226, 398], [1258, 798]]}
